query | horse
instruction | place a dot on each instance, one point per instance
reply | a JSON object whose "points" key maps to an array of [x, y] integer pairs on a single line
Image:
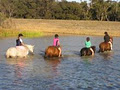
{"points": [[86, 51], [19, 51], [105, 46], [52, 51]]}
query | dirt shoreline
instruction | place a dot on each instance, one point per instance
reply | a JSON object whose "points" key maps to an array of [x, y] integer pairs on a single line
{"points": [[66, 27], [77, 34]]}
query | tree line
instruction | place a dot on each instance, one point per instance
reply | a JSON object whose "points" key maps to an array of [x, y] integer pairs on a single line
{"points": [[102, 10]]}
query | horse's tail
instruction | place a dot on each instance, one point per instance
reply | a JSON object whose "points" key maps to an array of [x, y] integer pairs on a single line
{"points": [[82, 52], [45, 56], [7, 54]]}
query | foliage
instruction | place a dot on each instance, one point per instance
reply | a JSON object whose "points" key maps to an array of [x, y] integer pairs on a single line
{"points": [[103, 10]]}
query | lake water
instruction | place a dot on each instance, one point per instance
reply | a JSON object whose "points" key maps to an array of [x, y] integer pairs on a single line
{"points": [[72, 72]]}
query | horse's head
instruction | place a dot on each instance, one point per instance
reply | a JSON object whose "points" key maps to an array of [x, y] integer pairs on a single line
{"points": [[30, 48]]}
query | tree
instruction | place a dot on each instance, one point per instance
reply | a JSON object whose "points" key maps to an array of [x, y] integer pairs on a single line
{"points": [[7, 7]]}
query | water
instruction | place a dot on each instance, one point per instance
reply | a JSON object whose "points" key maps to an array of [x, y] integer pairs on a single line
{"points": [[72, 72]]}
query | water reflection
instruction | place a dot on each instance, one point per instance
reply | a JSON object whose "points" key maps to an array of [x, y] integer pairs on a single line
{"points": [[88, 59], [53, 64], [106, 55], [19, 64]]}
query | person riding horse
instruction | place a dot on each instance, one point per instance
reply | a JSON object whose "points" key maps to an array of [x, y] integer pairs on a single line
{"points": [[55, 49], [107, 39], [56, 42], [107, 44], [88, 50], [19, 41], [88, 45]]}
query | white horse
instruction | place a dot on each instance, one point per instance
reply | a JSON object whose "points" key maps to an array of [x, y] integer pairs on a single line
{"points": [[19, 51]]}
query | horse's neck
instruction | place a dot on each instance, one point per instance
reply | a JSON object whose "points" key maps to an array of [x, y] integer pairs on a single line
{"points": [[26, 46]]}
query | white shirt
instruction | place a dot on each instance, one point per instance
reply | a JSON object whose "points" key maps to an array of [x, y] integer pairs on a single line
{"points": [[21, 40]]}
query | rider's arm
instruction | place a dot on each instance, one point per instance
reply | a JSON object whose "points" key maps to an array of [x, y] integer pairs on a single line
{"points": [[22, 42]]}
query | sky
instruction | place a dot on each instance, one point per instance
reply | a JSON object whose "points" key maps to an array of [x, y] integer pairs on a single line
{"points": [[88, 0]]}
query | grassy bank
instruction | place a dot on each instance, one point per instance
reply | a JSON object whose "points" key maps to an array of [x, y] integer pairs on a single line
{"points": [[38, 27], [14, 33]]}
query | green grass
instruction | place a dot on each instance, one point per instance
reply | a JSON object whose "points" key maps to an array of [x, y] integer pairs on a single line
{"points": [[14, 33], [32, 34]]}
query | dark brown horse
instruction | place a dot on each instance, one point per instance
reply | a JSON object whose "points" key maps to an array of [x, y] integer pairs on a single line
{"points": [[105, 46], [86, 51], [52, 51]]}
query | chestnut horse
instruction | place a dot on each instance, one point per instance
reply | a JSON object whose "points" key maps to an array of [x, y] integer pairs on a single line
{"points": [[52, 51], [86, 51], [105, 46]]}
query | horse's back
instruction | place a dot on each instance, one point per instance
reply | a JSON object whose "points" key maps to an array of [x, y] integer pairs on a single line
{"points": [[104, 46], [18, 51], [22, 51], [11, 52], [52, 51], [84, 51]]}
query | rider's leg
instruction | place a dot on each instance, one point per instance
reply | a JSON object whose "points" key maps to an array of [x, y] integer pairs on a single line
{"points": [[60, 51], [92, 51], [110, 45]]}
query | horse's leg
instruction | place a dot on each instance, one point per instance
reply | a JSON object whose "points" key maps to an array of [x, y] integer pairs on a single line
{"points": [[50, 55], [84, 53], [101, 50]]}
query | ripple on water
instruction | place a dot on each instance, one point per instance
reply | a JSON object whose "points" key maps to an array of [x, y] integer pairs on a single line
{"points": [[72, 72]]}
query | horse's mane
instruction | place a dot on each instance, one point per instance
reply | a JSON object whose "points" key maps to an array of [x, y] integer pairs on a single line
{"points": [[28, 46]]}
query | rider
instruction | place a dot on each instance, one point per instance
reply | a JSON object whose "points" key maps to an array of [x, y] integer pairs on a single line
{"points": [[88, 45], [19, 41], [57, 43], [107, 39]]}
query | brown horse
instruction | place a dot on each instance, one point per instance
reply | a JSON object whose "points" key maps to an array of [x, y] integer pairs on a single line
{"points": [[105, 46], [52, 51]]}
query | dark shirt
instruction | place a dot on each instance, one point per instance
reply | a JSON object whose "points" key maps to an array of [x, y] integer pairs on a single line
{"points": [[18, 42], [106, 38]]}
